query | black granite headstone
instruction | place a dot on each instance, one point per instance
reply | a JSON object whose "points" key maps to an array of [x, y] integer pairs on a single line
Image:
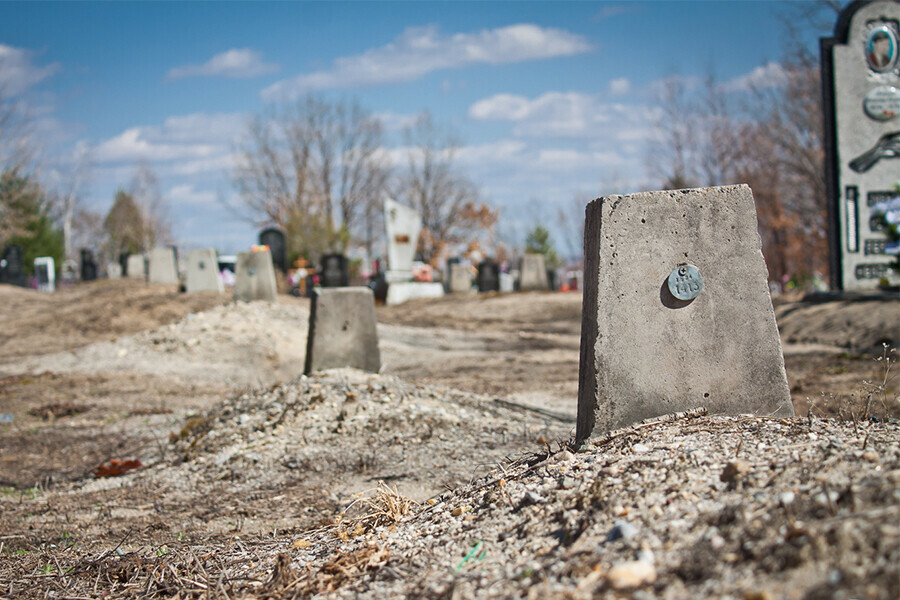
{"points": [[123, 262], [488, 276], [11, 270], [88, 265], [274, 239], [335, 271]]}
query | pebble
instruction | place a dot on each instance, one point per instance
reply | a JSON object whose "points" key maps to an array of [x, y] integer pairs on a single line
{"points": [[459, 510], [564, 456], [870, 455], [533, 498], [631, 574], [786, 498], [640, 448], [622, 530]]}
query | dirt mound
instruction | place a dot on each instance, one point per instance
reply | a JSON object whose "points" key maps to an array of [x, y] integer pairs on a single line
{"points": [[37, 323], [241, 343], [858, 326]]}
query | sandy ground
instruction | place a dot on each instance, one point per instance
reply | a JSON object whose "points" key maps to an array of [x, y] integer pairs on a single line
{"points": [[243, 459]]}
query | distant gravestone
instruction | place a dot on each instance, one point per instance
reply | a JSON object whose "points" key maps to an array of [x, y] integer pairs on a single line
{"points": [[203, 272], [488, 276], [676, 310], [335, 271], [403, 226], [88, 265], [274, 239], [162, 268], [136, 267], [534, 273], [113, 270], [460, 279], [861, 89], [254, 277], [123, 263], [11, 271], [45, 273], [342, 330]]}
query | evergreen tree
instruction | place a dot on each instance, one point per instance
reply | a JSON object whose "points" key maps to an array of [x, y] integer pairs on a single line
{"points": [[31, 227], [538, 242]]}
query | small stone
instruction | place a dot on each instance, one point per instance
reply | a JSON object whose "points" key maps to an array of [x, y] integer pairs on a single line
{"points": [[656, 510], [564, 456], [640, 448], [631, 574], [734, 471], [301, 543], [459, 510], [567, 483], [786, 498], [622, 530], [870, 455], [533, 498], [645, 555]]}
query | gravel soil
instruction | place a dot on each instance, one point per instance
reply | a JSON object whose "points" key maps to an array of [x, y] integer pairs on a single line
{"points": [[160, 445]]}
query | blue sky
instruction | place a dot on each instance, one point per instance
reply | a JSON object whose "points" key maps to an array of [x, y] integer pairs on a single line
{"points": [[552, 101]]}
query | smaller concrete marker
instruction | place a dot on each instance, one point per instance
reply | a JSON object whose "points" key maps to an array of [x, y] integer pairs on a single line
{"points": [[342, 330], [203, 272], [162, 267], [136, 266], [534, 274], [460, 279], [676, 310], [254, 277]]}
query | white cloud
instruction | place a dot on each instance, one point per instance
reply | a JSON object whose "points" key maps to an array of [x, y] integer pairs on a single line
{"points": [[422, 50], [566, 115], [17, 71], [620, 86], [240, 63], [767, 75], [185, 194], [193, 139]]}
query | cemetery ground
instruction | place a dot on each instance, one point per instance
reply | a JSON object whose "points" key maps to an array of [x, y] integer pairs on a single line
{"points": [[164, 445]]}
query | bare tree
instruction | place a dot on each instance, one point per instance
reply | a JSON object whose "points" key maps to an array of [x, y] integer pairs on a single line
{"points": [[157, 223], [673, 156], [446, 199], [313, 162]]}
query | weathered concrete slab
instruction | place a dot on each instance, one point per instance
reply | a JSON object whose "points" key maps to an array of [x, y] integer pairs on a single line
{"points": [[136, 266], [203, 272], [401, 291], [644, 352], [254, 277], [342, 330], [460, 279], [534, 274], [162, 267]]}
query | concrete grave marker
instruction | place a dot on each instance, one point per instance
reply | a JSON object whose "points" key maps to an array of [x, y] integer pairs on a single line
{"points": [[861, 89], [460, 279], [136, 267], [113, 270], [342, 330], [203, 272], [162, 267], [647, 350], [534, 273], [254, 277]]}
